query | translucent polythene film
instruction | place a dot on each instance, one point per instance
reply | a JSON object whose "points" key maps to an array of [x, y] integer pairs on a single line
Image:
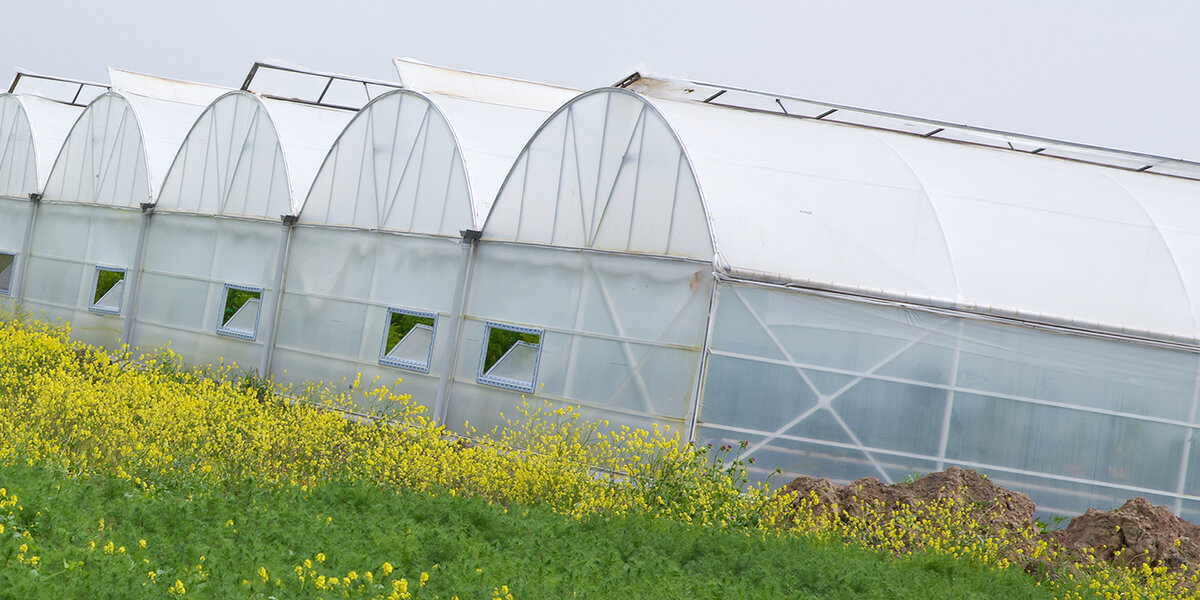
{"points": [[622, 335], [396, 167], [32, 131], [845, 389], [886, 214], [108, 158], [18, 169], [14, 220], [189, 260], [604, 172], [340, 284], [250, 157], [69, 242], [419, 162]]}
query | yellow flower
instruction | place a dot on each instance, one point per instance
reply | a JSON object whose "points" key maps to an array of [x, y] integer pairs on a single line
{"points": [[386, 569], [262, 574], [142, 543], [320, 557], [424, 578]]}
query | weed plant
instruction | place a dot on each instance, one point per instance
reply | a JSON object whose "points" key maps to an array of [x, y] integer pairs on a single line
{"points": [[170, 432]]}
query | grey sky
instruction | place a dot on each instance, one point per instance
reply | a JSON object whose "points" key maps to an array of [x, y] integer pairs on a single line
{"points": [[1115, 74]]}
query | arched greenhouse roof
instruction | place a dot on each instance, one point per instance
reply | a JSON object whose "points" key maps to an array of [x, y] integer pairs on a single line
{"points": [[863, 210], [427, 162], [250, 156], [32, 130], [122, 143]]}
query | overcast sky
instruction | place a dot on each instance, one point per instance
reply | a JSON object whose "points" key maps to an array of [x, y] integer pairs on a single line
{"points": [[1124, 75]]}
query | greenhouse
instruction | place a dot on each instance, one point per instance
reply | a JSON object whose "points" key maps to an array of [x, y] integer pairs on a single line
{"points": [[32, 129], [84, 248], [222, 226], [850, 293], [377, 255], [851, 298]]}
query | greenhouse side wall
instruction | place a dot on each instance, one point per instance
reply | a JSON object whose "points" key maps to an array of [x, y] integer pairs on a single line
{"points": [[620, 334], [14, 220], [192, 263], [840, 388], [340, 286], [75, 248]]}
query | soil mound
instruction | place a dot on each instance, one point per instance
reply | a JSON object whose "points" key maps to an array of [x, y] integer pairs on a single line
{"points": [[1136, 533], [996, 507]]}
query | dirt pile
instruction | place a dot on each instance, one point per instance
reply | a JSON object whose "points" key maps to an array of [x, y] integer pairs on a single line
{"points": [[1136, 533], [996, 507]]}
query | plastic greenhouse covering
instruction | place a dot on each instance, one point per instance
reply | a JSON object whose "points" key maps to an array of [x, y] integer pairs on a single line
{"points": [[875, 303], [31, 131], [408, 174], [861, 296], [86, 237], [215, 253]]}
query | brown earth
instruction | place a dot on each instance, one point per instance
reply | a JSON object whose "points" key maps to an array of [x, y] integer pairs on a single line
{"points": [[1136, 533]]}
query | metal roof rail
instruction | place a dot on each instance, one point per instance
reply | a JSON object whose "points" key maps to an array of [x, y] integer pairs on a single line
{"points": [[72, 90], [790, 106], [330, 90]]}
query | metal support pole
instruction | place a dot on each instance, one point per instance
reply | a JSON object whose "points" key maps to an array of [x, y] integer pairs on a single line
{"points": [[693, 416], [944, 439], [135, 286], [449, 361], [1185, 456], [35, 201], [285, 246]]}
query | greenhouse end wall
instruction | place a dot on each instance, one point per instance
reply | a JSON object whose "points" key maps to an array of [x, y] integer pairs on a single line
{"points": [[71, 243], [857, 389], [189, 261], [340, 285], [622, 335]]}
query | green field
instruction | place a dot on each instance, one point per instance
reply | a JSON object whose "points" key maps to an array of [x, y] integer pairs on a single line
{"points": [[213, 539], [238, 492]]}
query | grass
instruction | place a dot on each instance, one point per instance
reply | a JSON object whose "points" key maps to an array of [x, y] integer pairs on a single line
{"points": [[213, 537], [203, 463]]}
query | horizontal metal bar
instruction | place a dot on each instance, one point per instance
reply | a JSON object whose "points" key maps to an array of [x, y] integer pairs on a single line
{"points": [[961, 463], [957, 389]]}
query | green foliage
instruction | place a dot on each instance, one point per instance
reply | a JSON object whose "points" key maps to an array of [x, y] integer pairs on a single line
{"points": [[234, 299], [500, 340], [105, 280], [213, 537], [399, 326]]}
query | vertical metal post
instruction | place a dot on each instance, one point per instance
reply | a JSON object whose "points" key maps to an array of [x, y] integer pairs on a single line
{"points": [[449, 361], [35, 201], [945, 437], [693, 416], [135, 286], [285, 246], [1186, 452]]}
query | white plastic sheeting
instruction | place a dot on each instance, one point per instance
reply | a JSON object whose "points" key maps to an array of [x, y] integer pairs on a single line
{"points": [[622, 334], [843, 389], [109, 166], [32, 130], [938, 283], [250, 157], [604, 172], [381, 228], [247, 162], [416, 75], [886, 214]]}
